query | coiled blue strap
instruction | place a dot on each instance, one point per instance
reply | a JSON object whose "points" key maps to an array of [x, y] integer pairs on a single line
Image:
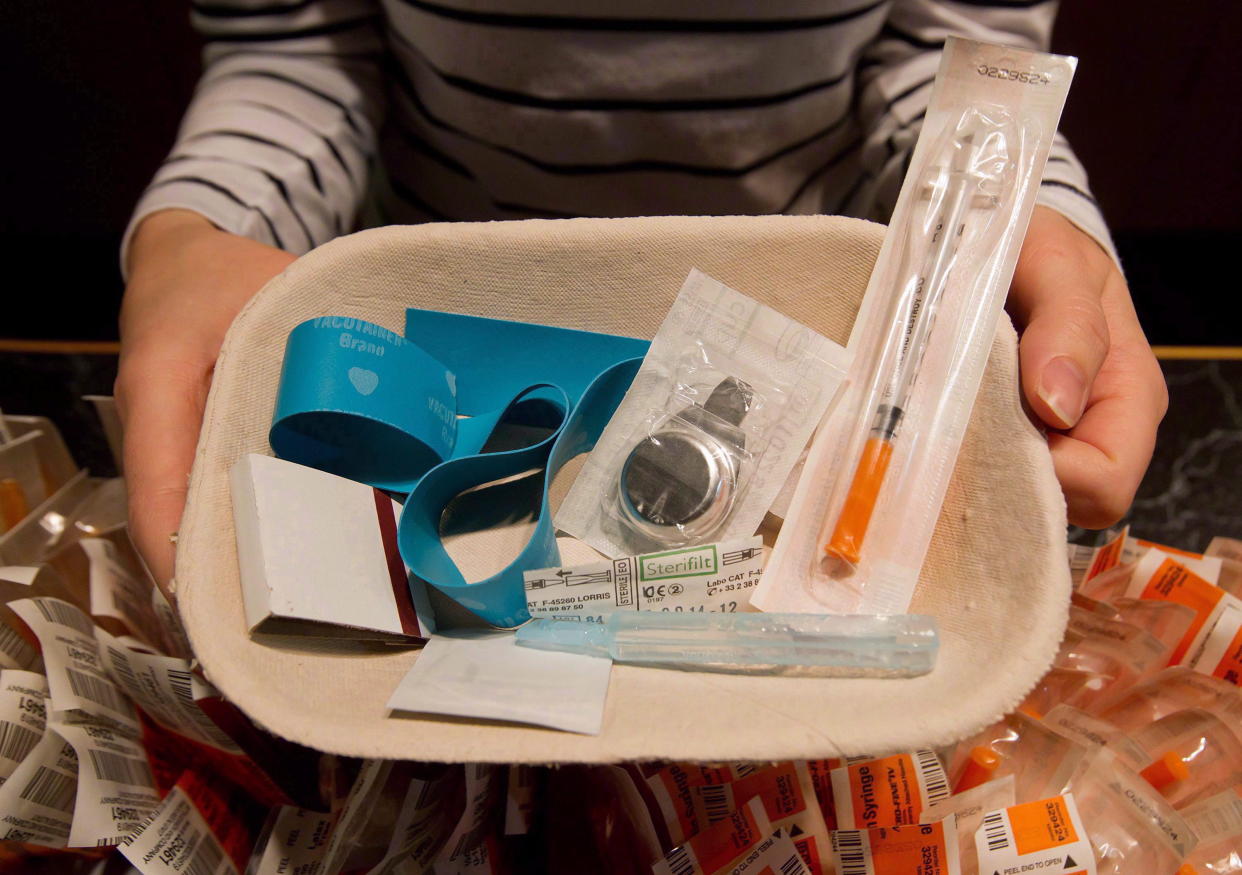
{"points": [[414, 414]]}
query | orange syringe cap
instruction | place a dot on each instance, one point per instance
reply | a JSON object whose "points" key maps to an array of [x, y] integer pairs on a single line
{"points": [[847, 537], [1169, 769], [980, 767]]}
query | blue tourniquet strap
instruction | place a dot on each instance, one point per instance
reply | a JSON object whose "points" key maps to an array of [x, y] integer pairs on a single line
{"points": [[365, 403]]}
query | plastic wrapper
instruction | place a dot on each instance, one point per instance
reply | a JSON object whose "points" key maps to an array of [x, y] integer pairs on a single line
{"points": [[1059, 684], [1040, 760], [1217, 821], [863, 514], [1130, 827], [1114, 666], [1109, 584], [709, 430], [1174, 689], [1192, 755], [968, 810], [1166, 621], [1091, 731]]}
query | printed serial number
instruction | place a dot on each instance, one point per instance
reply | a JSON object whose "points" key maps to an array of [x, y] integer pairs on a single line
{"points": [[1013, 75]]}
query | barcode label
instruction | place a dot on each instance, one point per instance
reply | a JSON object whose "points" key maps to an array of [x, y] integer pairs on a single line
{"points": [[744, 770], [51, 789], [65, 614], [207, 857], [16, 741], [183, 687], [121, 769], [99, 691], [15, 646], [680, 862], [124, 671], [932, 773], [850, 848], [717, 801], [793, 866], [996, 831]]}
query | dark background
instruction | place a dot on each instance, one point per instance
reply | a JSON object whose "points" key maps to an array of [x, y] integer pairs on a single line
{"points": [[95, 91]]}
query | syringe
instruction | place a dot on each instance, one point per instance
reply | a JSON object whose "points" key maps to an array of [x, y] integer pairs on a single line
{"points": [[916, 310]]}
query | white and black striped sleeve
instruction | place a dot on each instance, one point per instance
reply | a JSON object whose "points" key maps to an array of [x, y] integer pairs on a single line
{"points": [[896, 75], [277, 141]]}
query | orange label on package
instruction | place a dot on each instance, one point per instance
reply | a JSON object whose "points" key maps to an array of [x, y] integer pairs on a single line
{"points": [[788, 799], [1174, 582], [716, 847], [1221, 653], [925, 849], [1036, 836], [1164, 548], [888, 791]]}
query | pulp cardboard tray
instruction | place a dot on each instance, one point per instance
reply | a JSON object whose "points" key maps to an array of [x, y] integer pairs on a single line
{"points": [[996, 576]]}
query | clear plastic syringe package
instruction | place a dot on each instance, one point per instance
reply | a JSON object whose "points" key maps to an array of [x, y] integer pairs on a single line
{"points": [[871, 491]]}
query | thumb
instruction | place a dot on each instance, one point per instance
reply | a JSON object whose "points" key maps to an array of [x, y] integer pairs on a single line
{"points": [[1056, 295]]}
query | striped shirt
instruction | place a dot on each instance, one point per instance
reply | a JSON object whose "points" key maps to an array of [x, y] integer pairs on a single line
{"points": [[510, 109]]}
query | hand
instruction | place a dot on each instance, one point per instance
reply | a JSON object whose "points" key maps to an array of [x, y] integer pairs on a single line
{"points": [[188, 280], [1087, 369]]}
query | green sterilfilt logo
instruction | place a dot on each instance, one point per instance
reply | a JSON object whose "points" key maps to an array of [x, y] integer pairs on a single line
{"points": [[691, 562]]}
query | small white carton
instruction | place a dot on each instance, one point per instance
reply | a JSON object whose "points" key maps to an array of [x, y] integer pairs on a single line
{"points": [[318, 556]]}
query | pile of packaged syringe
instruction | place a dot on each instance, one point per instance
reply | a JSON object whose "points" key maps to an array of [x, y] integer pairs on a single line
{"points": [[117, 756]]}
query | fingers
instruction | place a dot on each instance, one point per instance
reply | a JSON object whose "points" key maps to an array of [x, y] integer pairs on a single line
{"points": [[1102, 460], [161, 403], [1056, 293], [1087, 369]]}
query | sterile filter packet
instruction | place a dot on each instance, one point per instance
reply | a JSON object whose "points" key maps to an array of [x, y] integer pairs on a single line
{"points": [[719, 413], [870, 494]]}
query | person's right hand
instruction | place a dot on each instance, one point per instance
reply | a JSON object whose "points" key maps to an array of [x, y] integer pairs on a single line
{"points": [[187, 281]]}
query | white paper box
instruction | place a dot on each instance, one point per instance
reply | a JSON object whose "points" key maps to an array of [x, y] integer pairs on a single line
{"points": [[318, 555]]}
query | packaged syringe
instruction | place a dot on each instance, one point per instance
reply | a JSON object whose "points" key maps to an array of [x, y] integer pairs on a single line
{"points": [[871, 491]]}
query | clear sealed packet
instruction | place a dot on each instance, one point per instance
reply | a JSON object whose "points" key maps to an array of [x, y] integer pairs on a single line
{"points": [[714, 421], [1058, 685], [1191, 755], [1217, 821], [870, 493], [968, 810], [1081, 727], [1225, 547], [1167, 621], [1040, 760], [1130, 828], [1118, 654], [1174, 689], [1158, 576]]}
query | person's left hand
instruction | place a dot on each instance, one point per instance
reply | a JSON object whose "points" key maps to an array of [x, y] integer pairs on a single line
{"points": [[1087, 369]]}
